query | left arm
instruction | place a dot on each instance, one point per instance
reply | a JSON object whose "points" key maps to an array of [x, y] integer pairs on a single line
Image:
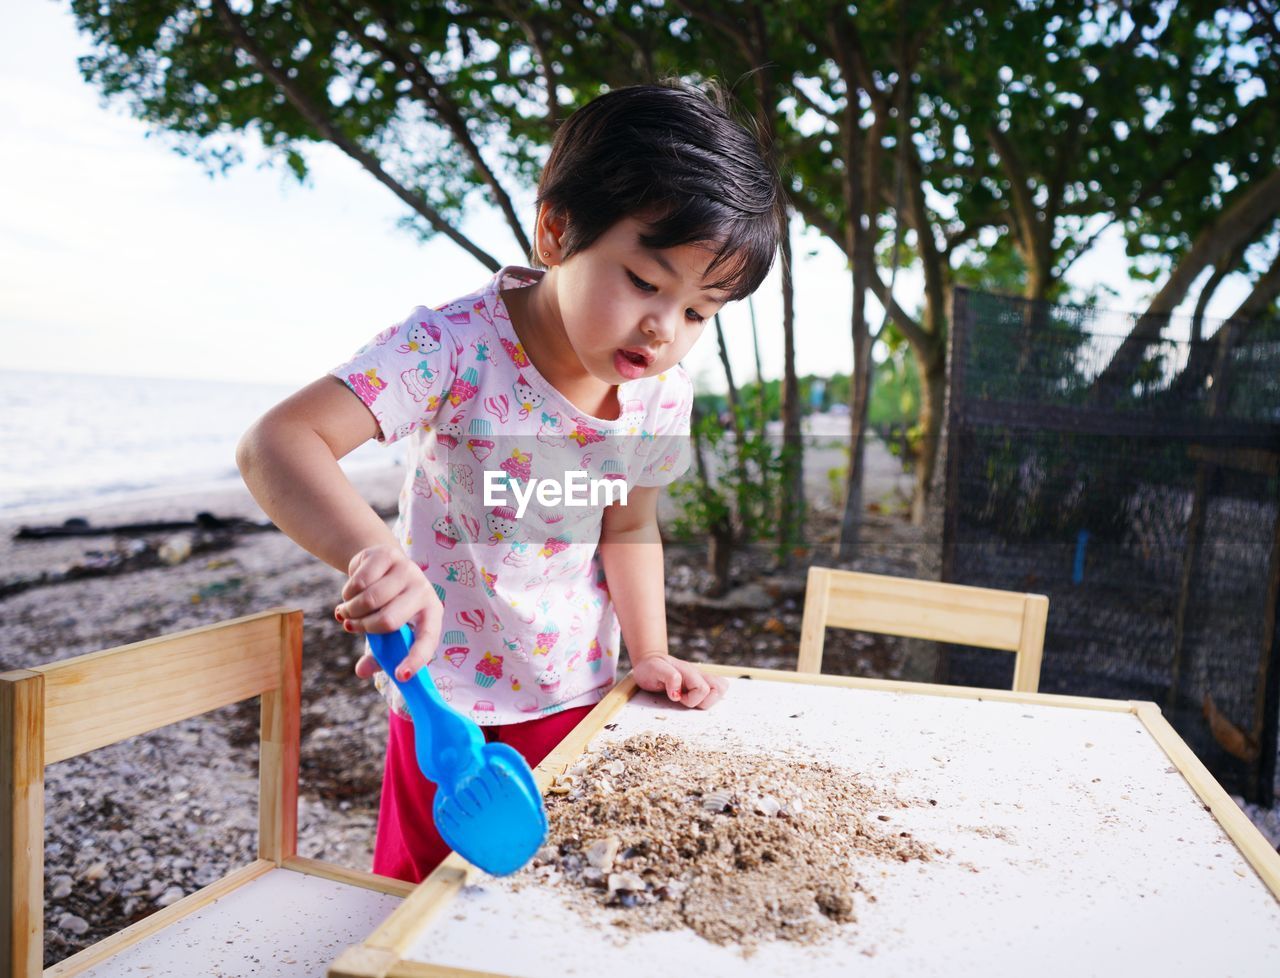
{"points": [[631, 553]]}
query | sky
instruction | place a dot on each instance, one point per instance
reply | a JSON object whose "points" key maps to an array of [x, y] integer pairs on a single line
{"points": [[120, 257]]}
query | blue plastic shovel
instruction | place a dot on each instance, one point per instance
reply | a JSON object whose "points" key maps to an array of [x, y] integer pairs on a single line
{"points": [[487, 808]]}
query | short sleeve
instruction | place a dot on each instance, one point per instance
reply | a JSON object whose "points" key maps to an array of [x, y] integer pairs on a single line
{"points": [[403, 374], [669, 451]]}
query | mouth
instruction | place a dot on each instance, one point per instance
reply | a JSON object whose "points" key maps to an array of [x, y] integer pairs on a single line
{"points": [[639, 357]]}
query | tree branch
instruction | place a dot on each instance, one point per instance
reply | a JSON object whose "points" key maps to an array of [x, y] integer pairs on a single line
{"points": [[545, 63], [426, 86], [317, 118], [1251, 212]]}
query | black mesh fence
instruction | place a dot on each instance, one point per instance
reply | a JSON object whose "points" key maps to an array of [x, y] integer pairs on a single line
{"points": [[1137, 484]]}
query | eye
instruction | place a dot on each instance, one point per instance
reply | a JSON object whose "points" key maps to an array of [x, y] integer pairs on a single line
{"points": [[693, 317], [640, 283]]}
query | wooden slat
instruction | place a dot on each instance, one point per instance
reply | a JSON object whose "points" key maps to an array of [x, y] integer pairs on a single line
{"points": [[401, 929], [362, 961], [138, 688], [158, 921], [813, 624], [279, 742], [351, 877], [419, 969], [924, 689], [925, 609], [21, 824], [566, 752], [1252, 844], [1026, 669]]}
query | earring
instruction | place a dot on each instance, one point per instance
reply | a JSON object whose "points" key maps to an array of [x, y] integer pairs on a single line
{"points": [[546, 254]]}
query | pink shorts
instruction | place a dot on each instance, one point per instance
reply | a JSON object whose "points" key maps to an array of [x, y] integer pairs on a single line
{"points": [[407, 846]]}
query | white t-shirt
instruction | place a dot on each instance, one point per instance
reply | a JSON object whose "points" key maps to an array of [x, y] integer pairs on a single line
{"points": [[529, 628]]}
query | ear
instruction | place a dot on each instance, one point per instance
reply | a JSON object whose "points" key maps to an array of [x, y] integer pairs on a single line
{"points": [[550, 232]]}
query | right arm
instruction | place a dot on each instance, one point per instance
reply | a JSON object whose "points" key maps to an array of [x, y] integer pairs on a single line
{"points": [[289, 461]]}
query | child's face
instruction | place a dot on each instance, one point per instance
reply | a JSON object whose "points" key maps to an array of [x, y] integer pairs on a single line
{"points": [[629, 311]]}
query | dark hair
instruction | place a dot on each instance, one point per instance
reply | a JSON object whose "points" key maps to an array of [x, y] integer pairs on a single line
{"points": [[672, 155]]}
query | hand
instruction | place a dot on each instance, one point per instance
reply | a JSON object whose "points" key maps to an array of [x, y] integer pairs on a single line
{"points": [[384, 590], [683, 682]]}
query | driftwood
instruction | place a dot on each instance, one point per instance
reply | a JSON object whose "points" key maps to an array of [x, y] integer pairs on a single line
{"points": [[127, 556], [80, 527], [131, 552]]}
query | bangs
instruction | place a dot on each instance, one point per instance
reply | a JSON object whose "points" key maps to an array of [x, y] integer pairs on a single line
{"points": [[745, 245]]}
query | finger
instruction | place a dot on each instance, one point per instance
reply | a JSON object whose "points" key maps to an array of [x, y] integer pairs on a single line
{"points": [[719, 687], [696, 685], [696, 690], [365, 568], [673, 681], [390, 616], [378, 594], [694, 697], [426, 639], [366, 666]]}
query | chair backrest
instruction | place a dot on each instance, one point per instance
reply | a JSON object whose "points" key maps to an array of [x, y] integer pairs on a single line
{"points": [[954, 613], [52, 712]]}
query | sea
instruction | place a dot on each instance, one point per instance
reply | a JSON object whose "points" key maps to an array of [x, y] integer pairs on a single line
{"points": [[70, 440]]}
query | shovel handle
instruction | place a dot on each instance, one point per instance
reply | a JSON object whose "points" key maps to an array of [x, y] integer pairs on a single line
{"points": [[446, 742]]}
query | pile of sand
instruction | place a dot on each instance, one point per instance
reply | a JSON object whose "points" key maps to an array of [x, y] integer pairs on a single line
{"points": [[739, 848]]}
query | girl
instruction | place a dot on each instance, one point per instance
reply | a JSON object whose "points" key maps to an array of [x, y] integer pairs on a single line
{"points": [[655, 208]]}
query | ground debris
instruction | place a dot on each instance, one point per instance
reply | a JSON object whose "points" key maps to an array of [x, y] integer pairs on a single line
{"points": [[740, 848]]}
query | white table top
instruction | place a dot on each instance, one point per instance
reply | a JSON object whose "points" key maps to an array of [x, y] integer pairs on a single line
{"points": [[1104, 861], [283, 924]]}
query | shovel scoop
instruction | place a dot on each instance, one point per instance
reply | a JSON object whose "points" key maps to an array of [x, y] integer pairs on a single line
{"points": [[488, 808]]}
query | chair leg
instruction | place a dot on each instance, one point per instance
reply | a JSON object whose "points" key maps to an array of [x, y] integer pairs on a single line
{"points": [[22, 824], [279, 747]]}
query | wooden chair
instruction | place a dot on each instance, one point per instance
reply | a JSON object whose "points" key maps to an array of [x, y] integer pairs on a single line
{"points": [[954, 613], [300, 912]]}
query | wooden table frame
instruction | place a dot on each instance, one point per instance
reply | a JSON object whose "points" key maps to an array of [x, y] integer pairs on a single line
{"points": [[381, 954]]}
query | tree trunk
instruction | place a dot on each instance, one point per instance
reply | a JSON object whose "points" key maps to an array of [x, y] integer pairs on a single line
{"points": [[791, 505], [745, 512], [857, 146], [933, 391], [762, 411], [859, 401], [719, 531]]}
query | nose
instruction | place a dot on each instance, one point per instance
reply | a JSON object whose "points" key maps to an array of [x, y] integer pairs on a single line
{"points": [[660, 327]]}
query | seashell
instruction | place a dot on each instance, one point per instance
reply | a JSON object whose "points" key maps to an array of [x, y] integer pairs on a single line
{"points": [[593, 876], [717, 801], [614, 767], [767, 805], [625, 881], [604, 786], [602, 853], [562, 784], [547, 854], [672, 889]]}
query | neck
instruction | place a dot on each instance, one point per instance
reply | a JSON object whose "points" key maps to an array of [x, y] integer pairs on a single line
{"points": [[538, 324]]}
